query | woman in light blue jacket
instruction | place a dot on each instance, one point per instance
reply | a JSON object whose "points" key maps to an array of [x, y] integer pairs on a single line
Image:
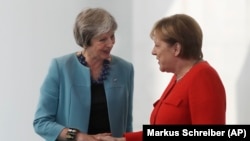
{"points": [[88, 92]]}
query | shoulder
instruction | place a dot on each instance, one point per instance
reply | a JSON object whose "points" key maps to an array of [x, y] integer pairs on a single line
{"points": [[67, 60], [204, 68], [116, 60], [119, 60], [121, 66], [65, 57], [204, 72]]}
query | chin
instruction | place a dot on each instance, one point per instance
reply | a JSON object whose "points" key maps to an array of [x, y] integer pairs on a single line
{"points": [[161, 69], [106, 56], [164, 69]]}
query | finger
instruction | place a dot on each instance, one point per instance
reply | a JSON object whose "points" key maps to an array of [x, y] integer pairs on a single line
{"points": [[105, 134]]}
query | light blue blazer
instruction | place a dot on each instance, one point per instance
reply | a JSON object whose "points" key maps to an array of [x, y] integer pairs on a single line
{"points": [[65, 97]]}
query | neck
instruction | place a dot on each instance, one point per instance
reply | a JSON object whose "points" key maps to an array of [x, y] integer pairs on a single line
{"points": [[98, 71], [185, 68], [93, 62]]}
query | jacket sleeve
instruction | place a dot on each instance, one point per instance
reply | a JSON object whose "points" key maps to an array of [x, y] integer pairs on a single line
{"points": [[45, 115], [133, 136], [207, 98]]}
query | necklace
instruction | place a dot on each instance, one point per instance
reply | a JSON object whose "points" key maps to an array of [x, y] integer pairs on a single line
{"points": [[104, 73]]}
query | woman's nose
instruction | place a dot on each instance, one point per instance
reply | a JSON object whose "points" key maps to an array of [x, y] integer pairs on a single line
{"points": [[153, 52], [110, 42]]}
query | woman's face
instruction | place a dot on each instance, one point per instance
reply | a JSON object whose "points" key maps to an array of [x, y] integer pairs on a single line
{"points": [[102, 45], [165, 54]]}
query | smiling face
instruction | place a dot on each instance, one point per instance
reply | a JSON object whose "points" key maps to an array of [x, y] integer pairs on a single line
{"points": [[166, 55], [101, 46]]}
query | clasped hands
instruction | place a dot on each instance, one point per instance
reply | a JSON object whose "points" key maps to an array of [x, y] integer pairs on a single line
{"points": [[98, 137]]}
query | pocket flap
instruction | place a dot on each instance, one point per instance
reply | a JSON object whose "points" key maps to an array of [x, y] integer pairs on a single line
{"points": [[175, 102]]}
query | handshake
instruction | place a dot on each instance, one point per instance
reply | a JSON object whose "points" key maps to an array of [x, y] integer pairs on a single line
{"points": [[98, 137]]}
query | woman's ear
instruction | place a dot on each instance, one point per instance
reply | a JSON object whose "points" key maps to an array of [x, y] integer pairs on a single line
{"points": [[177, 49]]}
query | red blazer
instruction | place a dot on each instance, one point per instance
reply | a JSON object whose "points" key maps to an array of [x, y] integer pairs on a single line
{"points": [[198, 98]]}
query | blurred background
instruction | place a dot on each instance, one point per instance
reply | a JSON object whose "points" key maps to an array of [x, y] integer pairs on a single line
{"points": [[32, 32]]}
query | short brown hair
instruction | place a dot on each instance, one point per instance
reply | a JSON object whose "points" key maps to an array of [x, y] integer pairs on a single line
{"points": [[183, 29]]}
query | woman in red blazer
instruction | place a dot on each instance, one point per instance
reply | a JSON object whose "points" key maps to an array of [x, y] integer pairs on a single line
{"points": [[195, 94]]}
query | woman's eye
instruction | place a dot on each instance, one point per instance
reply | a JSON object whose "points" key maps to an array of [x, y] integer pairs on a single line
{"points": [[103, 40]]}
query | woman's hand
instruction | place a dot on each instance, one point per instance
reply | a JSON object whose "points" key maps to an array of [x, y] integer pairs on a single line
{"points": [[110, 138], [86, 137], [82, 136]]}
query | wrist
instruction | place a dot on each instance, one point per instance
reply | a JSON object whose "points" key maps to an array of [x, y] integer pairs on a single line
{"points": [[121, 139], [71, 134]]}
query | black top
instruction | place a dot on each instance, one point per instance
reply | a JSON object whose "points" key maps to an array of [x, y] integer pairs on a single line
{"points": [[99, 119]]}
